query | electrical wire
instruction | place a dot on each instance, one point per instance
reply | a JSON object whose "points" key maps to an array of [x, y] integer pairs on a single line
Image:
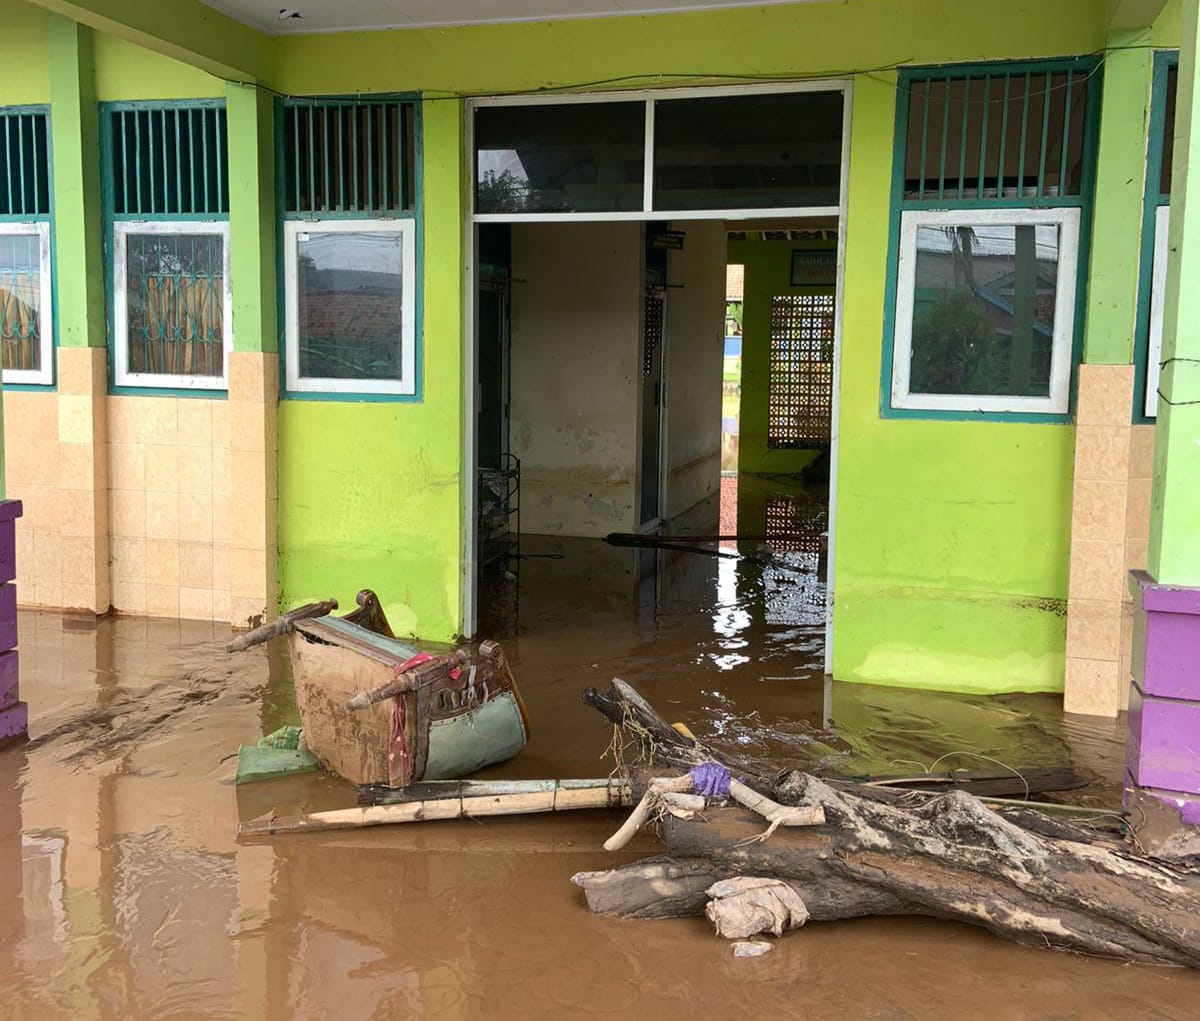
{"points": [[678, 78], [1163, 397]]}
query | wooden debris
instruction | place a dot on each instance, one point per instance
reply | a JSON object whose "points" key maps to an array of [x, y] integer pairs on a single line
{"points": [[281, 625], [945, 855], [662, 787]]}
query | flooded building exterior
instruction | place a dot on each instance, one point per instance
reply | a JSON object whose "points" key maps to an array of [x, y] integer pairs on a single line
{"points": [[259, 261]]}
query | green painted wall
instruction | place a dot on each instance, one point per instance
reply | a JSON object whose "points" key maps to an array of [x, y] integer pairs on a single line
{"points": [[125, 71], [370, 494], [952, 538], [75, 145], [768, 273], [808, 38], [24, 74], [1174, 554], [252, 280], [1117, 211], [186, 30], [1166, 31]]}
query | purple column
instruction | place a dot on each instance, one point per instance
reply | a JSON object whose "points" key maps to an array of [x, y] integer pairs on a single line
{"points": [[14, 714], [1162, 755]]}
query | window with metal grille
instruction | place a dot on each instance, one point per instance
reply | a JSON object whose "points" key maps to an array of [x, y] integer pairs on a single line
{"points": [[999, 134], [349, 192], [166, 197], [168, 160], [351, 156], [993, 173], [800, 372], [26, 335], [1156, 217]]}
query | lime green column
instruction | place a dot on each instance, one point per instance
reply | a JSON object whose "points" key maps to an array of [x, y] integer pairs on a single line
{"points": [[253, 361], [252, 217], [75, 139], [80, 535], [1096, 675], [1120, 179], [1175, 502]]}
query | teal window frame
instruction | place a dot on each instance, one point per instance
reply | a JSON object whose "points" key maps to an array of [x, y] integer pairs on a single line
{"points": [[1153, 200], [110, 217], [348, 392], [16, 380], [1091, 70]]}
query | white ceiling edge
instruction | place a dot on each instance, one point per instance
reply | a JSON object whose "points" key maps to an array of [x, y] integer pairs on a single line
{"points": [[275, 27]]}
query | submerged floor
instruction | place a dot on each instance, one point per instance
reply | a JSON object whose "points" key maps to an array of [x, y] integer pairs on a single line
{"points": [[124, 895]]}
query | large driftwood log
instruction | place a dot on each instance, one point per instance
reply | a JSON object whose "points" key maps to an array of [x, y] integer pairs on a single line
{"points": [[947, 856]]}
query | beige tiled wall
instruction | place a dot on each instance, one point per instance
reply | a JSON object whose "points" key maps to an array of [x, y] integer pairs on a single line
{"points": [[56, 462], [1097, 667], [169, 466], [1137, 535], [31, 466], [126, 499], [254, 484]]}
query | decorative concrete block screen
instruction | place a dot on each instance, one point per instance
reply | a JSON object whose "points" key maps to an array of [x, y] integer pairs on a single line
{"points": [[800, 373], [652, 328]]}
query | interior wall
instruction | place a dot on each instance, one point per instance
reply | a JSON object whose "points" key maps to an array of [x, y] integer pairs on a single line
{"points": [[576, 339], [695, 361]]}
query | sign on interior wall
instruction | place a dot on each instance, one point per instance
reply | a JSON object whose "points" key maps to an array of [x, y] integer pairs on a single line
{"points": [[814, 269]]}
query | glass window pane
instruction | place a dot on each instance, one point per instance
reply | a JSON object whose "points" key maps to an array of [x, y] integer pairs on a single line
{"points": [[983, 309], [175, 292], [21, 300], [350, 294], [748, 152], [568, 158]]}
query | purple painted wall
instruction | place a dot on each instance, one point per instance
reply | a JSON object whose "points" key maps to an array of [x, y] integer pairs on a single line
{"points": [[1162, 754], [14, 714]]}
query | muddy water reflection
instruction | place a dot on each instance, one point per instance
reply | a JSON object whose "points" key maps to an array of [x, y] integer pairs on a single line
{"points": [[123, 894]]}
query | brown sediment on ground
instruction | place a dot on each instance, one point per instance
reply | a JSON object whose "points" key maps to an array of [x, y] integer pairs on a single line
{"points": [[124, 894]]}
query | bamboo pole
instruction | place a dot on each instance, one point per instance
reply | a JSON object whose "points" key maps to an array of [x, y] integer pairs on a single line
{"points": [[537, 796]]}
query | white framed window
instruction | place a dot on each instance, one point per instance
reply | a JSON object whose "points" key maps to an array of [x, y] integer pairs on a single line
{"points": [[350, 306], [26, 317], [172, 308], [1158, 297], [985, 310]]}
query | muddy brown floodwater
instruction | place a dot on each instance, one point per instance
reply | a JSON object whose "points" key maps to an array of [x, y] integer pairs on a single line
{"points": [[124, 895]]}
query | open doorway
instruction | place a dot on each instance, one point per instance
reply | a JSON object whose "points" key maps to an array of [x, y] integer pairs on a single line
{"points": [[731, 395], [606, 385], [608, 359], [778, 396]]}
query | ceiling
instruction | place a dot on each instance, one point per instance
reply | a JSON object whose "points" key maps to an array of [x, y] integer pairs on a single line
{"points": [[275, 16]]}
